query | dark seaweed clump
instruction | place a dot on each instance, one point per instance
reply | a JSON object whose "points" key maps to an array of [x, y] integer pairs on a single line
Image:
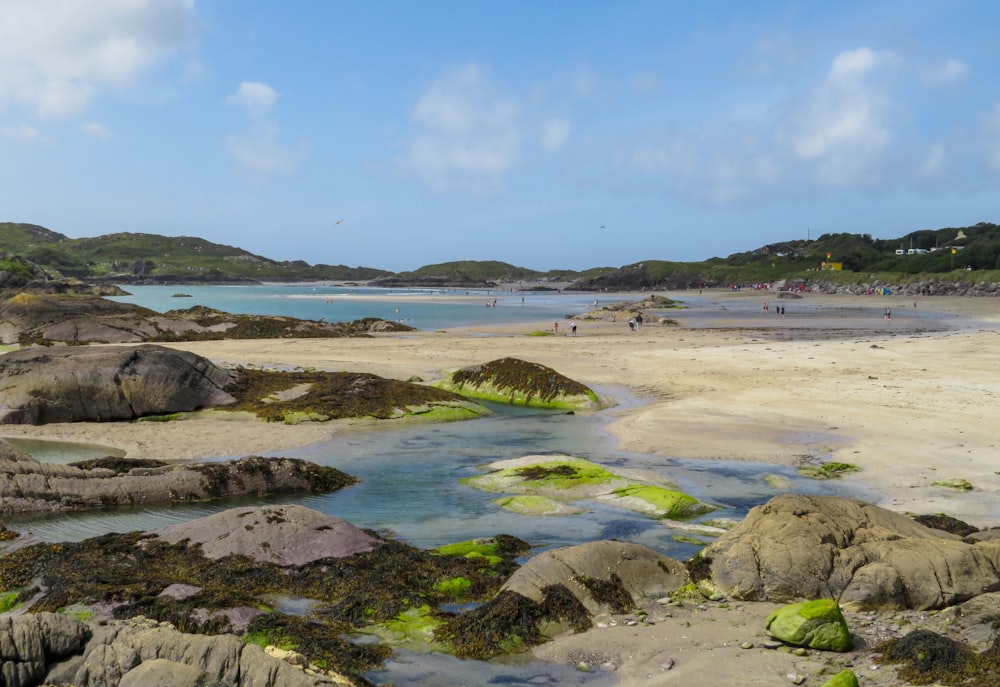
{"points": [[947, 524], [218, 477], [541, 472], [531, 379], [268, 326], [131, 570], [610, 592], [331, 395], [699, 568], [928, 657], [120, 466], [512, 621]]}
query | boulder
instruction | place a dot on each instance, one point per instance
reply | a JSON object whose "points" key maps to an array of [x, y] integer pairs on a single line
{"points": [[518, 382], [815, 624], [284, 535], [798, 547], [30, 643], [600, 572], [144, 652], [27, 485], [845, 678], [38, 386]]}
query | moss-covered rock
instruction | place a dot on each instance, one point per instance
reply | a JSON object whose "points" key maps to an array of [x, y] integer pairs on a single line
{"points": [[518, 382], [815, 624], [318, 396], [567, 478], [536, 505], [845, 678], [659, 501]]}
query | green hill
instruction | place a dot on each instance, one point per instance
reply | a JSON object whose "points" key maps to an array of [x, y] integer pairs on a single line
{"points": [[131, 257], [128, 257]]}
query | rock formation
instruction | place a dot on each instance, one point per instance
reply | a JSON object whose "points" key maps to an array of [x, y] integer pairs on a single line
{"points": [[798, 547], [28, 486], [523, 383], [39, 386]]}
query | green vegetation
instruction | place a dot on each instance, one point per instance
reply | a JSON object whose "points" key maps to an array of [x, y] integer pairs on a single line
{"points": [[122, 257], [331, 395], [831, 470], [9, 600], [667, 503], [518, 382], [957, 483]]}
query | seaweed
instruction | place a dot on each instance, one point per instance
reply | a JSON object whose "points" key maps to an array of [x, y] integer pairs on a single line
{"points": [[928, 657], [946, 523], [120, 466], [521, 377], [610, 592], [132, 570], [331, 395], [511, 622]]}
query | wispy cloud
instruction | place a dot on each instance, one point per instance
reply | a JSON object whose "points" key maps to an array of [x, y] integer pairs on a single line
{"points": [[22, 132], [841, 127], [946, 72], [257, 149], [469, 133], [56, 56], [96, 129], [253, 95]]}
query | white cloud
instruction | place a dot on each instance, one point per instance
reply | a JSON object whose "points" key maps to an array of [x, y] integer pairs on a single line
{"points": [[718, 166], [57, 55], [253, 95], [948, 71], [555, 133], [260, 153], [258, 150], [96, 129], [469, 134], [841, 129], [22, 132]]}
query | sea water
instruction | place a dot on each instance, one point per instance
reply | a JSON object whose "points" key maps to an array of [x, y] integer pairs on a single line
{"points": [[425, 309]]}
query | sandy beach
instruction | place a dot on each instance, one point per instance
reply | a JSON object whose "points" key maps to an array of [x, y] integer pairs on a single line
{"points": [[908, 405]]}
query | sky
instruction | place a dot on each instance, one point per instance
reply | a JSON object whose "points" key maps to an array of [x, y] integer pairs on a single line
{"points": [[550, 134]]}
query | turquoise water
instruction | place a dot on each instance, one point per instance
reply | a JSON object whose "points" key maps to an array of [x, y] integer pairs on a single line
{"points": [[346, 303]]}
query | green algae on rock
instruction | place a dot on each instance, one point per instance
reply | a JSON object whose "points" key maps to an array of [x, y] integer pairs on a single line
{"points": [[536, 505], [567, 478], [317, 396], [816, 624], [522, 383], [845, 678], [663, 503]]}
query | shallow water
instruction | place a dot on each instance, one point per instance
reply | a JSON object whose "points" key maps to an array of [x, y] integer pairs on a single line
{"points": [[346, 303]]}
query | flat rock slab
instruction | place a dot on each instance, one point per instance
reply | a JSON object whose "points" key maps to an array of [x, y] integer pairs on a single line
{"points": [[284, 535]]}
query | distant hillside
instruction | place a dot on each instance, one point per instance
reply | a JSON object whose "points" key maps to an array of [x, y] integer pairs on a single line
{"points": [[963, 251], [128, 257], [484, 273], [149, 258]]}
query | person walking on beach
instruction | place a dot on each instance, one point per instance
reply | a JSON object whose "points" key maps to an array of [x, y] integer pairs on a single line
{"points": [[572, 328], [555, 327], [638, 321]]}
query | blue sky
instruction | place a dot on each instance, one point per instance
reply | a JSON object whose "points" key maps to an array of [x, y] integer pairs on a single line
{"points": [[544, 133]]}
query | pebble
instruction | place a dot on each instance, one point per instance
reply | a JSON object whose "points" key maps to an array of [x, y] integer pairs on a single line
{"points": [[668, 664], [796, 679]]}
